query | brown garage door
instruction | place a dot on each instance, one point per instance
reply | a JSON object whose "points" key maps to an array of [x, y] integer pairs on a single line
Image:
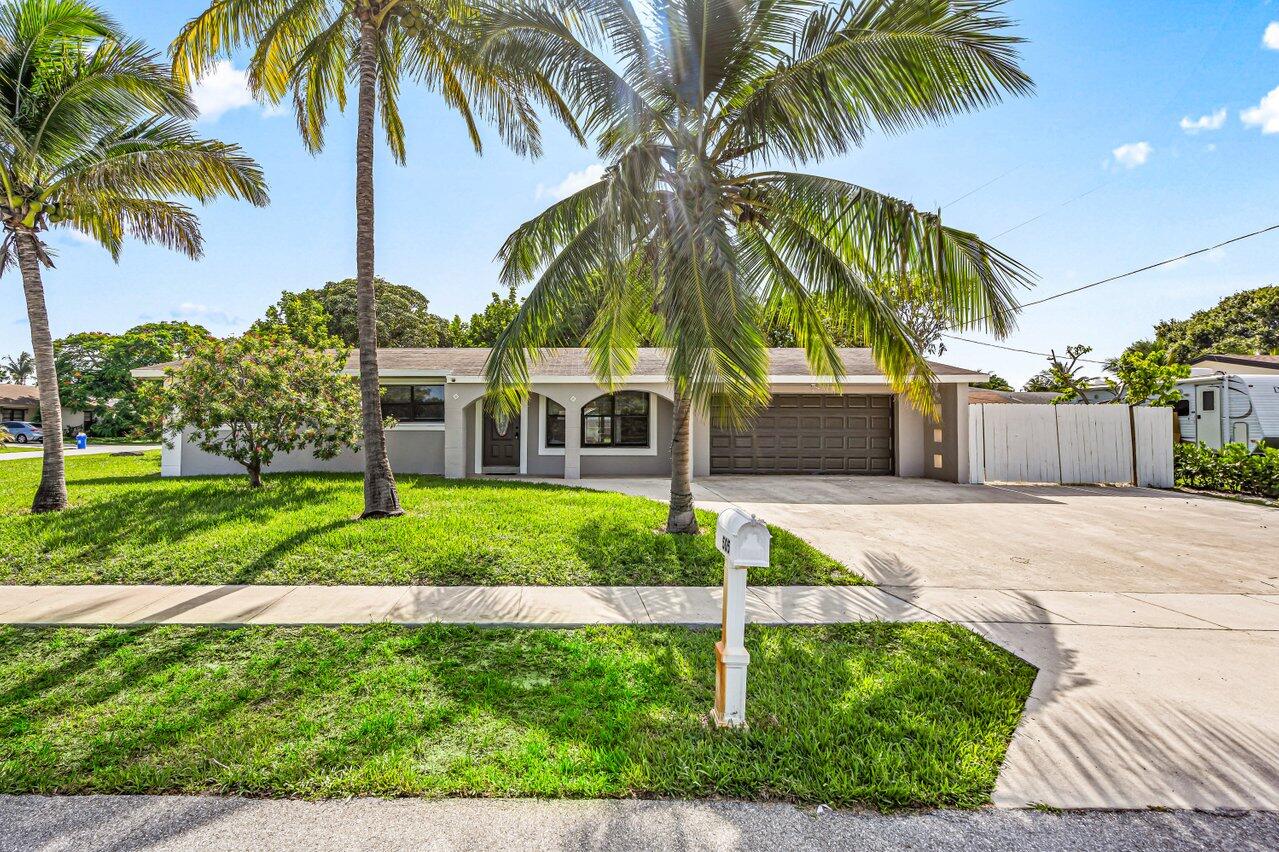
{"points": [[811, 433]]}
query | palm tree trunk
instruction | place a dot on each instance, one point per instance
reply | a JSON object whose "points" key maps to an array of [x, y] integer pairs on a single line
{"points": [[681, 518], [51, 496], [381, 498]]}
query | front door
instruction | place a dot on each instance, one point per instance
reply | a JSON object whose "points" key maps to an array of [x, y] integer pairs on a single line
{"points": [[1208, 415], [501, 442]]}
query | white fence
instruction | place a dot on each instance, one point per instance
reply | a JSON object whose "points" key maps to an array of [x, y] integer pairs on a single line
{"points": [[1072, 444]]}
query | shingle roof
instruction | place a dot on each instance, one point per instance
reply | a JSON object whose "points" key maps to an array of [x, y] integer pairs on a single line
{"points": [[573, 362], [19, 395], [996, 397], [1268, 361]]}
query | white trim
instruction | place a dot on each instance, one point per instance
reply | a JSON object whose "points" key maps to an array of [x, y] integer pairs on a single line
{"points": [[650, 450], [418, 426], [404, 377], [479, 436], [524, 438]]}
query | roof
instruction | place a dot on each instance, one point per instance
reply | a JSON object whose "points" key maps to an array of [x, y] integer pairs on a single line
{"points": [[1268, 361], [573, 363], [19, 395], [997, 397]]}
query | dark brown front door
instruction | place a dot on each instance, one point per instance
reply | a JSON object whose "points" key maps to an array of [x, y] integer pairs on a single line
{"points": [[810, 433], [501, 442]]}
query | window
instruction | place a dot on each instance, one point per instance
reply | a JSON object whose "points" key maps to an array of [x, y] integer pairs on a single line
{"points": [[616, 420], [1209, 400], [1182, 407], [554, 423], [13, 415], [413, 403]]}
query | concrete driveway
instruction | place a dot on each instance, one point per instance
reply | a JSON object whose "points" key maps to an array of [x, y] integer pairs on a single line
{"points": [[1152, 616]]}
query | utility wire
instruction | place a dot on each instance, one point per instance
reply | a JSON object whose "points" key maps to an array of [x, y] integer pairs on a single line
{"points": [[1109, 280]]}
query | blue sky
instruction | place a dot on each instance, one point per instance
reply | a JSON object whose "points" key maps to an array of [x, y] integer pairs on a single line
{"points": [[1165, 113]]}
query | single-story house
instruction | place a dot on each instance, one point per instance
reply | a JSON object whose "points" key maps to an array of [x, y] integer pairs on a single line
{"points": [[1252, 365], [572, 428], [985, 396], [22, 402]]}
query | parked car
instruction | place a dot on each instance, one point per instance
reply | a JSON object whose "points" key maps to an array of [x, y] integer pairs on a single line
{"points": [[23, 432]]}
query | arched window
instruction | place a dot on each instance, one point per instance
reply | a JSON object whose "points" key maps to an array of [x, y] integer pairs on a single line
{"points": [[613, 420]]}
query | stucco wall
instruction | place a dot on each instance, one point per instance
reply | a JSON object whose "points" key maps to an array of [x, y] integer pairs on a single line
{"points": [[409, 451]]}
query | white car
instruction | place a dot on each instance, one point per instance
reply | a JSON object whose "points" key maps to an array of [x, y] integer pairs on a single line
{"points": [[23, 432]]}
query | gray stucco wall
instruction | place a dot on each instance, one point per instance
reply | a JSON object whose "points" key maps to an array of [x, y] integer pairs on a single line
{"points": [[538, 464], [409, 451], [636, 465]]}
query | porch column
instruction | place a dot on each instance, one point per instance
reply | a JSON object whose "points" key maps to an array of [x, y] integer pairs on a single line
{"points": [[456, 399], [573, 438]]}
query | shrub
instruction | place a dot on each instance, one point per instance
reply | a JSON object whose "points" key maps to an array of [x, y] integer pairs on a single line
{"points": [[1232, 468]]}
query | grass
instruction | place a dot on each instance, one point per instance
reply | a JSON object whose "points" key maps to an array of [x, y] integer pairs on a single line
{"points": [[891, 715], [127, 525]]}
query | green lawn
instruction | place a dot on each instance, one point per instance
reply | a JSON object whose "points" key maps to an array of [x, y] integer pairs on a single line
{"points": [[885, 714], [127, 525]]}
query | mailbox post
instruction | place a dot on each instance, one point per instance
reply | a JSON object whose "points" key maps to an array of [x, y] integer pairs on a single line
{"points": [[744, 541]]}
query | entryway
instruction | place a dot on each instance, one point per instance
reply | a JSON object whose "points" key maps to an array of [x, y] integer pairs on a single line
{"points": [[501, 445]]}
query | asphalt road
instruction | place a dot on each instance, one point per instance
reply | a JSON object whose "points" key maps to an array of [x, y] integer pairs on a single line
{"points": [[184, 823]]}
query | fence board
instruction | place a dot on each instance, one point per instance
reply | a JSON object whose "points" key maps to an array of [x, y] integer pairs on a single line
{"points": [[1095, 443], [1154, 446], [1020, 443]]}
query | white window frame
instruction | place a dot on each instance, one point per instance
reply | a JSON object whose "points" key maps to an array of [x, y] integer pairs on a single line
{"points": [[650, 450], [416, 425]]}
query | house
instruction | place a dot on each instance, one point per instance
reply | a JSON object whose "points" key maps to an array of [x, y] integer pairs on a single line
{"points": [[22, 402], [1249, 385], [571, 428], [985, 396]]}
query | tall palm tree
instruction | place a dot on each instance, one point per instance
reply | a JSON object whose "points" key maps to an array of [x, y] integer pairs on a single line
{"points": [[310, 49], [694, 238], [94, 136], [20, 369]]}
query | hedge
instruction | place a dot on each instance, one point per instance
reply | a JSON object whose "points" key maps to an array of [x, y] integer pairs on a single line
{"points": [[1232, 468]]}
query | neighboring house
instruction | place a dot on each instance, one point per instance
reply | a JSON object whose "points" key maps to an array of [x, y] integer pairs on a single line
{"points": [[22, 402], [1250, 414], [571, 428], [983, 396]]}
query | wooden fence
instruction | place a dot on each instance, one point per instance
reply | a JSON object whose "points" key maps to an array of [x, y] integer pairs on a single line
{"points": [[1071, 444]]}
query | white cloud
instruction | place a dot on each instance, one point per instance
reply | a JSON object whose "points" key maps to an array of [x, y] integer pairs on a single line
{"points": [[204, 314], [1215, 121], [221, 90], [1271, 36], [574, 182], [1265, 114], [1132, 155]]}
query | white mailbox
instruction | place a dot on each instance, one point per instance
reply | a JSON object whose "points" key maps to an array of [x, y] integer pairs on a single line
{"points": [[744, 540]]}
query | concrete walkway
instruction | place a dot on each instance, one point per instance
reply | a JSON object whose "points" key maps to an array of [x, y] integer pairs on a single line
{"points": [[180, 823], [70, 451], [559, 606]]}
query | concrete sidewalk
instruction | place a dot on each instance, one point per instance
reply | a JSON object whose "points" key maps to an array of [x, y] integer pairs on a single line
{"points": [[69, 450], [558, 606], [220, 823]]}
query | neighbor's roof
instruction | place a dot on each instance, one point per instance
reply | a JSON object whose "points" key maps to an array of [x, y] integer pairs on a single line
{"points": [[573, 363], [19, 395], [996, 397], [1268, 361]]}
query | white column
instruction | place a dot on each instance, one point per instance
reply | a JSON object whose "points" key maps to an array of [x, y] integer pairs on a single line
{"points": [[573, 438], [456, 398], [731, 656]]}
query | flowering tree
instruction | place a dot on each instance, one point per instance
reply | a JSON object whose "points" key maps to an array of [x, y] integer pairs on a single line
{"points": [[251, 397]]}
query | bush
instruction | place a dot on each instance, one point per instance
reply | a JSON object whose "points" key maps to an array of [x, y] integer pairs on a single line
{"points": [[1232, 468]]}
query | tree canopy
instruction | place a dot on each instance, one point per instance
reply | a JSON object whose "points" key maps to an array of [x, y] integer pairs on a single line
{"points": [[1245, 323], [93, 370], [404, 317]]}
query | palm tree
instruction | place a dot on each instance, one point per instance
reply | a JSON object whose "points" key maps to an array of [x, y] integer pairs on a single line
{"points": [[695, 239], [311, 48], [19, 369], [94, 136]]}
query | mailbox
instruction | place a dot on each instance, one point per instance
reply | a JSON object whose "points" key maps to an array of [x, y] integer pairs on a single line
{"points": [[744, 540]]}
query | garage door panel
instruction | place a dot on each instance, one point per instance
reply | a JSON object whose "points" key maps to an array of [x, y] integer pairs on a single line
{"points": [[811, 433]]}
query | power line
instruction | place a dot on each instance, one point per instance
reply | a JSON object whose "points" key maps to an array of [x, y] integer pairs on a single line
{"points": [[999, 346], [1109, 280]]}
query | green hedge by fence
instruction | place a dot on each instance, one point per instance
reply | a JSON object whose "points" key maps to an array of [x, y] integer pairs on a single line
{"points": [[1232, 469]]}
